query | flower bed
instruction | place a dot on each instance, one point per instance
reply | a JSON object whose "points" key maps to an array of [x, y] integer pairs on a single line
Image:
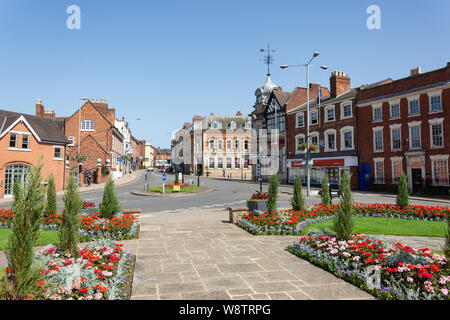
{"points": [[181, 184], [88, 207], [403, 272], [292, 222], [92, 226], [102, 272]]}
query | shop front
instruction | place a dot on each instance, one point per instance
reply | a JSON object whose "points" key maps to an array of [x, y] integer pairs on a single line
{"points": [[332, 167]]}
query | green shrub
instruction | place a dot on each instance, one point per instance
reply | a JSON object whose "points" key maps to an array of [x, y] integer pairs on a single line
{"points": [[110, 203], [343, 223], [273, 194], [177, 180], [68, 231], [51, 207], [28, 207], [402, 194], [298, 201], [326, 200]]}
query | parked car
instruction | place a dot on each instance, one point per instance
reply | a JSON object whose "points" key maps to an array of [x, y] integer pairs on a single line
{"points": [[150, 169]]}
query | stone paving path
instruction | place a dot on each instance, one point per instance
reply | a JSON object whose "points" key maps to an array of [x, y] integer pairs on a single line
{"points": [[434, 243], [205, 257]]}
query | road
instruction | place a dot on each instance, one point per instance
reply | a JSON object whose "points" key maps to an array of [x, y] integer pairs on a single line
{"points": [[225, 193]]}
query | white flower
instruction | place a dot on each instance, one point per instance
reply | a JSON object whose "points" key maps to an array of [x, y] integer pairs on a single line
{"points": [[98, 296]]}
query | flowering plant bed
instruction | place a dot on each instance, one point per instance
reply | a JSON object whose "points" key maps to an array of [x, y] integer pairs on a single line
{"points": [[259, 196], [385, 270], [181, 184], [89, 207], [292, 222], [103, 271], [122, 227]]}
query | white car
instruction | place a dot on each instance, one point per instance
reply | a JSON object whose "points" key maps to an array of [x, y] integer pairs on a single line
{"points": [[150, 169]]}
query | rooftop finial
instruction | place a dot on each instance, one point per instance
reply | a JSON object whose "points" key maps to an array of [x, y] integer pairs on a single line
{"points": [[268, 58]]}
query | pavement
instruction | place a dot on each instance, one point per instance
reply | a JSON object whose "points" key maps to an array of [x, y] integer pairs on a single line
{"points": [[198, 255]]}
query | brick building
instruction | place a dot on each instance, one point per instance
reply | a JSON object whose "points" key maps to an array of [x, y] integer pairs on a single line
{"points": [[333, 131], [404, 126], [100, 141], [272, 109], [23, 140]]}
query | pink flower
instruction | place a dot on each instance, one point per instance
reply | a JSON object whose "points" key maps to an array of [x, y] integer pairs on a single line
{"points": [[444, 291], [409, 279]]}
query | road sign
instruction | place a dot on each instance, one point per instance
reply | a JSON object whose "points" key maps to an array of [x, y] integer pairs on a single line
{"points": [[164, 177], [119, 159]]}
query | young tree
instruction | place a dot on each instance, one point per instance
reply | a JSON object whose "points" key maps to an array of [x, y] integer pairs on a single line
{"points": [[110, 203], [51, 207], [343, 223], [176, 178], [273, 194], [28, 207], [298, 201], [326, 200], [402, 195], [68, 231]]}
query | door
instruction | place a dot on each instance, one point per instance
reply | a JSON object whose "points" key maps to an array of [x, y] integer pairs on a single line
{"points": [[12, 173], [365, 176], [333, 175], [416, 179]]}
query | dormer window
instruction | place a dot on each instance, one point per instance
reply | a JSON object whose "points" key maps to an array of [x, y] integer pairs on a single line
{"points": [[232, 125], [215, 125]]}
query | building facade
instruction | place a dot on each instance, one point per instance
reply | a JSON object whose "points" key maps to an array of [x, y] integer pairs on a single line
{"points": [[24, 141], [404, 126]]}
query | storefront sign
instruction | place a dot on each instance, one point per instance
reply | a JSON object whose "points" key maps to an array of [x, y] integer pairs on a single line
{"points": [[329, 163]]}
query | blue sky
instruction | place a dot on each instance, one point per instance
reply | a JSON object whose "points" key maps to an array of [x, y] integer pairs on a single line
{"points": [[165, 61]]}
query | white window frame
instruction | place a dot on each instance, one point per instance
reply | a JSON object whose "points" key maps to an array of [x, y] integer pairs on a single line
{"points": [[87, 125], [61, 152], [393, 103], [211, 145], [233, 125], [436, 121], [395, 160], [432, 94], [397, 126], [343, 131], [411, 125], [438, 157], [28, 137], [73, 141], [297, 125], [374, 107], [310, 117], [375, 130], [301, 135], [330, 107], [326, 149], [375, 161], [343, 104], [315, 134], [237, 144], [220, 144], [411, 99], [229, 145]]}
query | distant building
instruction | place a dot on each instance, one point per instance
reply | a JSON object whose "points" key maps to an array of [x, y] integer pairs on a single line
{"points": [[215, 146], [149, 155]]}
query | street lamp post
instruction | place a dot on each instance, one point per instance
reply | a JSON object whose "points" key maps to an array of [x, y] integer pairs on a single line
{"points": [[308, 65]]}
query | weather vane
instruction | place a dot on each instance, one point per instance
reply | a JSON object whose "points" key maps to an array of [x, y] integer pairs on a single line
{"points": [[268, 58]]}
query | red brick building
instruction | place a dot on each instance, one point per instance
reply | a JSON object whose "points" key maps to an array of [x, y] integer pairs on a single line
{"points": [[404, 126], [24, 139], [333, 131], [100, 142]]}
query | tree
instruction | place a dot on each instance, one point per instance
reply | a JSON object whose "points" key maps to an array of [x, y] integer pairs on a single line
{"points": [[298, 201], [326, 200], [110, 203], [68, 231], [343, 222], [402, 195], [28, 207], [51, 207], [273, 194]]}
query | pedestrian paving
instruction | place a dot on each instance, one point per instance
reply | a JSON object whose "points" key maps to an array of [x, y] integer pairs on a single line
{"points": [[199, 255]]}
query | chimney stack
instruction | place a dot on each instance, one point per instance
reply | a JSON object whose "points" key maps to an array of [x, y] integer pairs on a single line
{"points": [[415, 71], [339, 83], [238, 113], [39, 109]]}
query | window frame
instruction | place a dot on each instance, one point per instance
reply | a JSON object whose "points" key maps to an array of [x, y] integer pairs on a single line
{"points": [[85, 127], [435, 122], [297, 125], [375, 131], [328, 108], [61, 153], [326, 133], [342, 133], [342, 106], [375, 171], [411, 125]]}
